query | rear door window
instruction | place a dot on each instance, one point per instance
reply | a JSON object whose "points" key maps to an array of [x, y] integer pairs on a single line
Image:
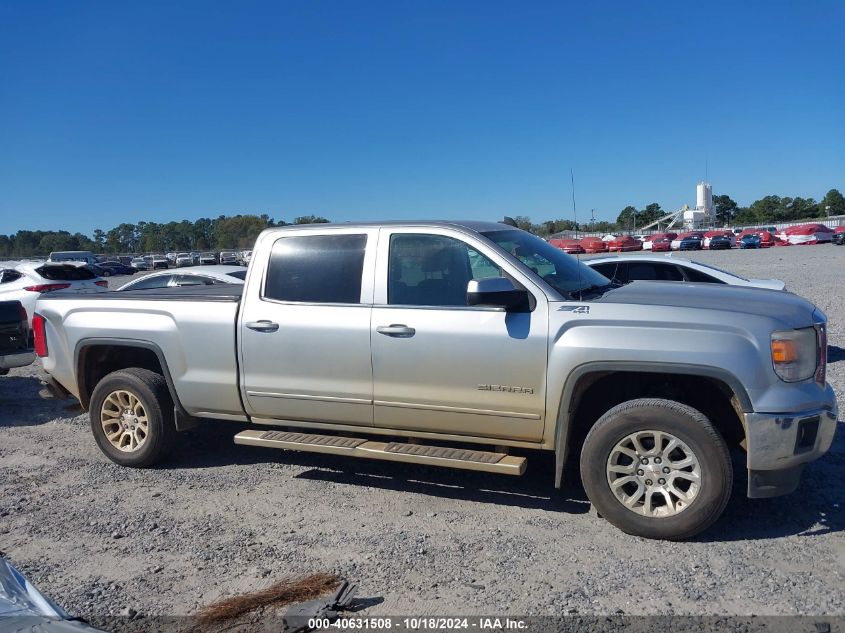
{"points": [[612, 270], [649, 271], [159, 281], [65, 273], [7, 276], [699, 277], [316, 269], [193, 280]]}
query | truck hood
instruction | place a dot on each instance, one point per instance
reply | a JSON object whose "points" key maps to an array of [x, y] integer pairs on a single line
{"points": [[791, 309]]}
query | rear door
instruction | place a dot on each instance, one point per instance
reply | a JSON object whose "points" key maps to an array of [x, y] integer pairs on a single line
{"points": [[442, 366], [305, 327]]}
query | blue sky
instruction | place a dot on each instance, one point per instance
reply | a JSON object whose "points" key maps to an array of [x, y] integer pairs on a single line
{"points": [[158, 111]]}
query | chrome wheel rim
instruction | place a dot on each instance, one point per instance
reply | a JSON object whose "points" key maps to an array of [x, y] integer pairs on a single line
{"points": [[124, 421], [653, 473]]}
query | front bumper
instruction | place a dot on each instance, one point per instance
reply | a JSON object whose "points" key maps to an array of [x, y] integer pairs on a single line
{"points": [[779, 445], [8, 360]]}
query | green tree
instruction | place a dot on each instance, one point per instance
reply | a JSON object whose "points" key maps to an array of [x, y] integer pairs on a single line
{"points": [[725, 209], [310, 219], [651, 213], [834, 200], [627, 219]]}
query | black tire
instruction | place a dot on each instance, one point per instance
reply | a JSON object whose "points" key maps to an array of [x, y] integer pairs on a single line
{"points": [[151, 390], [688, 425]]}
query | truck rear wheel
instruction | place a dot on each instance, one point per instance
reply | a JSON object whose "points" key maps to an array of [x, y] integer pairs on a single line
{"points": [[131, 416], [657, 469]]}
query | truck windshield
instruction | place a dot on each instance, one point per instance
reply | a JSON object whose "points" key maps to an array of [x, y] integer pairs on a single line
{"points": [[562, 272]]}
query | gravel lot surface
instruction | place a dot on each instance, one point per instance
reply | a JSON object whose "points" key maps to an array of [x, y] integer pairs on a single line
{"points": [[220, 519]]}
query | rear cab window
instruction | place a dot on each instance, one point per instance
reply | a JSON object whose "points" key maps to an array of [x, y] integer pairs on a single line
{"points": [[321, 268]]}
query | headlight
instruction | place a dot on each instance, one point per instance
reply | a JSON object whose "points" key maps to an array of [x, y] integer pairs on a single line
{"points": [[794, 354]]}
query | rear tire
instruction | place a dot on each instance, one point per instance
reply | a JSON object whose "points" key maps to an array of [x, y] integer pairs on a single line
{"points": [[132, 419], [657, 468]]}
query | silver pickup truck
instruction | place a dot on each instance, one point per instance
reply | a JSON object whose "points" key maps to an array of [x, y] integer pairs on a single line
{"points": [[463, 345]]}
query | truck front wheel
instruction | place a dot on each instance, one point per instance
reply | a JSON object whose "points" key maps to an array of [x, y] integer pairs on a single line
{"points": [[131, 416], [656, 468]]}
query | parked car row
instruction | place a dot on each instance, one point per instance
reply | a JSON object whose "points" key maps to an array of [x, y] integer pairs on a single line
{"points": [[717, 239]]}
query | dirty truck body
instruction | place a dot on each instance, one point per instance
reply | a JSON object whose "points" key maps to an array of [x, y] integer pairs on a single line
{"points": [[462, 345]]}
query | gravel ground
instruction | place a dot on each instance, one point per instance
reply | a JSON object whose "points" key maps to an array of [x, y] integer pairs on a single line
{"points": [[221, 519]]}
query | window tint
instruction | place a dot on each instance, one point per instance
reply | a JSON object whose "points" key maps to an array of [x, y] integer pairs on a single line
{"points": [[647, 271], [239, 274], [9, 275], [65, 273], [433, 270], [193, 280], [158, 281], [609, 269], [316, 268], [699, 277]]}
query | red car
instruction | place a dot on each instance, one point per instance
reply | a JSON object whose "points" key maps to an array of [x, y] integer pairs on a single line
{"points": [[812, 233], [573, 247], [593, 245], [661, 244], [656, 236], [624, 243]]}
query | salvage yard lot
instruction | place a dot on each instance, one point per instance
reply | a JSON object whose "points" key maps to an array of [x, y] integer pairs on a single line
{"points": [[219, 519]]}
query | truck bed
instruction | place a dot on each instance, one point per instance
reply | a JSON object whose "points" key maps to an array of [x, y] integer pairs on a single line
{"points": [[196, 343]]}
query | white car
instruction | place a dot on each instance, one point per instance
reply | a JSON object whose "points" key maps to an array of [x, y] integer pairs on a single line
{"points": [[628, 268], [26, 282], [184, 259], [206, 275]]}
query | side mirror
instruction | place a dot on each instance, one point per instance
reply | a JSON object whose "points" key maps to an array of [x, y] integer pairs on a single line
{"points": [[496, 291]]}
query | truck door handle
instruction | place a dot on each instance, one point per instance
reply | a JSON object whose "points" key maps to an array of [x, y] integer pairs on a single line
{"points": [[396, 329], [262, 326]]}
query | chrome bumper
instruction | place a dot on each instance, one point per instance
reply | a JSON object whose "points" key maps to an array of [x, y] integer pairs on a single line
{"points": [[779, 445]]}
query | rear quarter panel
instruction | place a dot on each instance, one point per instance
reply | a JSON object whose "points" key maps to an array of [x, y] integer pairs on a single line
{"points": [[197, 341]]}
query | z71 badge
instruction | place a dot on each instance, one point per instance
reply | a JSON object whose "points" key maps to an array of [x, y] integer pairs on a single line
{"points": [[575, 309]]}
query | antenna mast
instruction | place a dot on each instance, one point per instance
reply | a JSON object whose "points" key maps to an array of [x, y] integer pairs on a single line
{"points": [[574, 215]]}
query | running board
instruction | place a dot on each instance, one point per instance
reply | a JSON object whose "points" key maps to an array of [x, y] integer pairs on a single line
{"points": [[391, 451]]}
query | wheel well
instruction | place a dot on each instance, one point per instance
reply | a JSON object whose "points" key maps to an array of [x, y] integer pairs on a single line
{"points": [[97, 361], [598, 392]]}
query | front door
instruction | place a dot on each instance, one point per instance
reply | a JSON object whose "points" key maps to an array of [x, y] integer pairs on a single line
{"points": [[441, 366], [305, 337]]}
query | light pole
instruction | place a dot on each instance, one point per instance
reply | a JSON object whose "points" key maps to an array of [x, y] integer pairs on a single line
{"points": [[827, 210]]}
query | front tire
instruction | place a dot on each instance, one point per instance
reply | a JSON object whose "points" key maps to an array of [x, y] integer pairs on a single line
{"points": [[131, 415], [657, 468]]}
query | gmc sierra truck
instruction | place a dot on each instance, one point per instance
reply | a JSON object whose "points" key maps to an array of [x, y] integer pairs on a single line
{"points": [[463, 345]]}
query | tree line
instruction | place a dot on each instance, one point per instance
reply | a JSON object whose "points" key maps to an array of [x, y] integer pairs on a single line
{"points": [[240, 231], [221, 233]]}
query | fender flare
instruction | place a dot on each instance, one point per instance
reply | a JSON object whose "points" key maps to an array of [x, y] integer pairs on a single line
{"points": [[564, 418], [183, 419]]}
